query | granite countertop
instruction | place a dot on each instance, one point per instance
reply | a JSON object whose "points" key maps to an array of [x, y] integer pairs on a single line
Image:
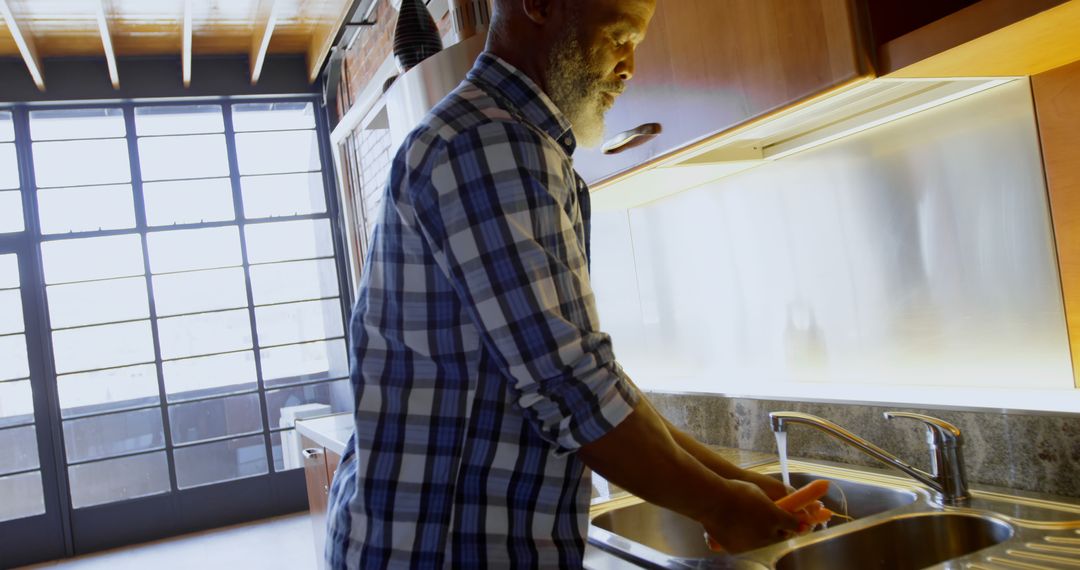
{"points": [[333, 431]]}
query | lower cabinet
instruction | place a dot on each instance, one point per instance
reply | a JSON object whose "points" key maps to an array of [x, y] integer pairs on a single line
{"points": [[320, 465]]}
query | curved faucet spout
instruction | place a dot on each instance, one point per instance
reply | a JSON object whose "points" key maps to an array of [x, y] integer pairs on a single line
{"points": [[948, 478]]}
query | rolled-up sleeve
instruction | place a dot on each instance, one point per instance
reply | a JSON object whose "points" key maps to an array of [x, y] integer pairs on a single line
{"points": [[501, 216]]}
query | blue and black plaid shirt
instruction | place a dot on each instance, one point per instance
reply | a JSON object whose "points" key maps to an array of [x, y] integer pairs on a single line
{"points": [[478, 361]]}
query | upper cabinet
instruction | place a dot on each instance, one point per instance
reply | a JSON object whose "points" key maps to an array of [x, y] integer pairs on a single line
{"points": [[707, 66]]}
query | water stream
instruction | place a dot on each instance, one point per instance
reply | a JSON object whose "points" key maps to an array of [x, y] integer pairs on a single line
{"points": [[781, 448]]}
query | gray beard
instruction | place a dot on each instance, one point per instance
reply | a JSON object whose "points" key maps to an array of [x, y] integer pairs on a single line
{"points": [[576, 89]]}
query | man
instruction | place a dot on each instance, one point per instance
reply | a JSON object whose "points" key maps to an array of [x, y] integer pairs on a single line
{"points": [[484, 386]]}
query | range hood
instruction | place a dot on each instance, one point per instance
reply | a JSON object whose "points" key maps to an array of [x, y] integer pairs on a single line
{"points": [[821, 120]]}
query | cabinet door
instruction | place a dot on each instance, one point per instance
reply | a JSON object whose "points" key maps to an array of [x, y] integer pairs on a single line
{"points": [[709, 65], [332, 462], [318, 489]]}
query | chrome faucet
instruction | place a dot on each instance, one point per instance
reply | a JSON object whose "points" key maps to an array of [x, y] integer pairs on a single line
{"points": [[948, 477]]}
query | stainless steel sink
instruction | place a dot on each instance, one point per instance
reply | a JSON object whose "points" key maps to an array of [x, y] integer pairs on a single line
{"points": [[910, 542], [673, 534], [853, 499], [895, 526]]}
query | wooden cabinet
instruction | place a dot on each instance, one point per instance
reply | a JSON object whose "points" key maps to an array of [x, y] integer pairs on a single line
{"points": [[709, 65], [1058, 110], [320, 465]]}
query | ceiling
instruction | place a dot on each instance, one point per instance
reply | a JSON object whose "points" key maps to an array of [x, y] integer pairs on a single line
{"points": [[37, 29]]}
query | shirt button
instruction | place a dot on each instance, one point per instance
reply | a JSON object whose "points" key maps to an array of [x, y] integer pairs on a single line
{"points": [[568, 141]]}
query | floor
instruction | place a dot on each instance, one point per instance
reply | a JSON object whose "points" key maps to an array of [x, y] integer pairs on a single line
{"points": [[279, 543]]}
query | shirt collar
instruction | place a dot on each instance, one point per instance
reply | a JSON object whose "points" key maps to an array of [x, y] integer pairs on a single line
{"points": [[521, 92]]}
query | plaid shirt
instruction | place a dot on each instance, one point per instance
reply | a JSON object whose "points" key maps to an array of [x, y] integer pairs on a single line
{"points": [[478, 361]]}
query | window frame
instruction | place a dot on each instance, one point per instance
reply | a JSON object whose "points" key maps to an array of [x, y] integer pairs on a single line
{"points": [[180, 510]]}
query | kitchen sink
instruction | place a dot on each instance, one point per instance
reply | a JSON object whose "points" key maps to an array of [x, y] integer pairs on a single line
{"points": [[910, 542], [673, 534], [895, 525], [853, 499]]}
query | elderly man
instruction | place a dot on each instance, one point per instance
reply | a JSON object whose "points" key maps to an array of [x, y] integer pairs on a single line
{"points": [[484, 385]]}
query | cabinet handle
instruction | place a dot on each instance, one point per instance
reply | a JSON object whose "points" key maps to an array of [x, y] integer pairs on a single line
{"points": [[311, 453], [636, 136]]}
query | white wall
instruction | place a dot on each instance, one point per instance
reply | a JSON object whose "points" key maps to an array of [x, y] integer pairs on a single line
{"points": [[911, 263]]}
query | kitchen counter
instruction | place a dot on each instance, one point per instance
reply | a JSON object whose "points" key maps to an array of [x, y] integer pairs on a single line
{"points": [[333, 431]]}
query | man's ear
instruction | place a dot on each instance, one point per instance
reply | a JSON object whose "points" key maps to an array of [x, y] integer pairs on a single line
{"points": [[539, 11]]}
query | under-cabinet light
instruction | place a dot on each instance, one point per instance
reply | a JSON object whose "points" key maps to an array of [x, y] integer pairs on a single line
{"points": [[865, 122]]}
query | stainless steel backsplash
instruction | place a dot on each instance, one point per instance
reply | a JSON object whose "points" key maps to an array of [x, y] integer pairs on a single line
{"points": [[916, 253]]}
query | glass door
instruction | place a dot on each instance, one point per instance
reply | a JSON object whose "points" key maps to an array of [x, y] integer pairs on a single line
{"points": [[31, 515], [194, 307]]}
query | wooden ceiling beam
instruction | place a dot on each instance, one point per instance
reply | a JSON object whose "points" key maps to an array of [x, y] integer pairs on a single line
{"points": [[322, 37], [106, 42], [25, 42], [185, 54], [265, 20]]}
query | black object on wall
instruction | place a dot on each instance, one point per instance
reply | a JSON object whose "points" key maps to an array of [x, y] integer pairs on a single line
{"points": [[416, 36]]}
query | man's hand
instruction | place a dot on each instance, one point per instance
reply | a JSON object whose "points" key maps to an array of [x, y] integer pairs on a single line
{"points": [[774, 488], [745, 518]]}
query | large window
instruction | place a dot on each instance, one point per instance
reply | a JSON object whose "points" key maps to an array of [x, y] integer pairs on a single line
{"points": [[189, 277]]}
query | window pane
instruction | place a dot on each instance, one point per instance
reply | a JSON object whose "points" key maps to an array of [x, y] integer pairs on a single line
{"points": [[108, 390], [209, 419], [294, 281], [92, 258], [283, 195], [324, 360], [103, 346], [188, 156], [13, 362], [220, 461], [338, 395], [20, 450], [16, 403], [188, 201], [20, 496], [11, 213], [285, 241], [291, 441], [174, 120], [9, 167], [98, 302], [58, 124], [9, 271], [7, 127], [86, 209], [299, 322], [185, 250], [11, 314], [99, 437], [199, 291], [278, 152], [82, 163], [204, 334], [209, 376], [287, 449], [273, 116], [118, 479]]}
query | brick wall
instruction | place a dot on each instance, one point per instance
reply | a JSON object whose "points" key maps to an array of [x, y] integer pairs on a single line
{"points": [[367, 53]]}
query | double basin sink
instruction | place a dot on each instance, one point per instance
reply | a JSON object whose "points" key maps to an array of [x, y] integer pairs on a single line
{"points": [[895, 525]]}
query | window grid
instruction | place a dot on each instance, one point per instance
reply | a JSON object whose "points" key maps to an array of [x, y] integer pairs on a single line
{"points": [[18, 429], [269, 434]]}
